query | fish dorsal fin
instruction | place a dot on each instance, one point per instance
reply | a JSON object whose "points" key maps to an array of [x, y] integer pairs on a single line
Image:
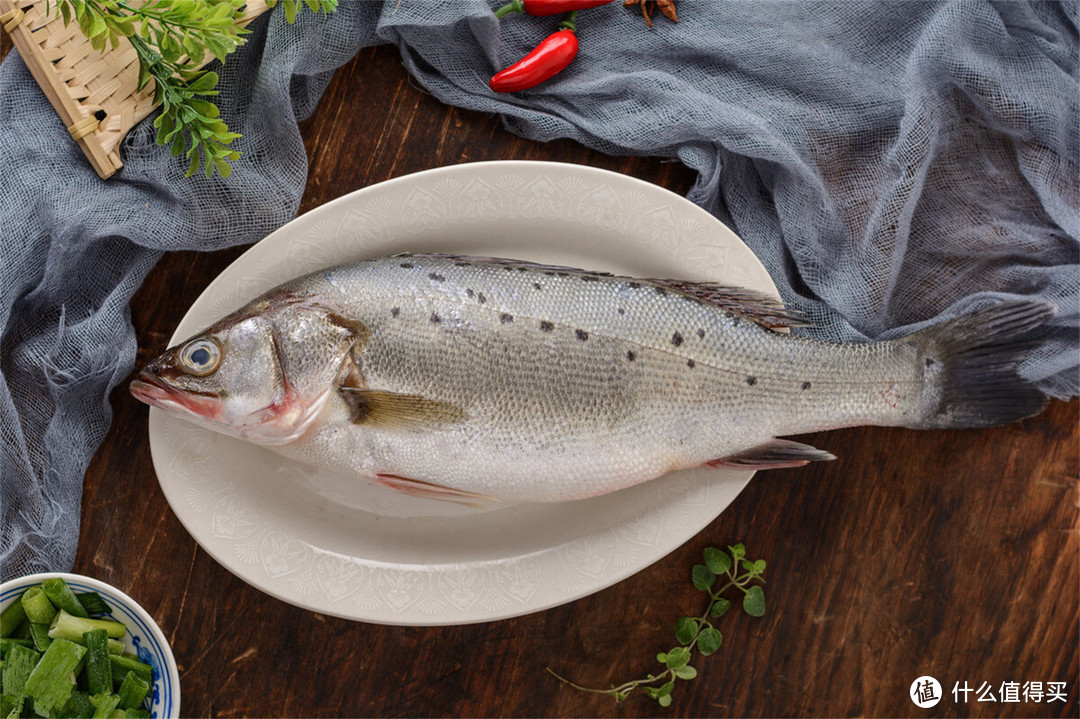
{"points": [[378, 408], [753, 305]]}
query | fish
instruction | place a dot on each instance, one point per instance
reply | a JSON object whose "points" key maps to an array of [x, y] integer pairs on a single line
{"points": [[488, 380]]}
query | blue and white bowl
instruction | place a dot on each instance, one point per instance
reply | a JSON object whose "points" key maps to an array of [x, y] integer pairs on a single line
{"points": [[143, 638]]}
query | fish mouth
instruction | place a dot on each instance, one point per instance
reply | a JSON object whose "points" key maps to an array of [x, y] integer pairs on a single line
{"points": [[150, 390]]}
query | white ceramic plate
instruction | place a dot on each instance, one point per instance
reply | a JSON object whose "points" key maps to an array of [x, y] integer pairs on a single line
{"points": [[352, 549]]}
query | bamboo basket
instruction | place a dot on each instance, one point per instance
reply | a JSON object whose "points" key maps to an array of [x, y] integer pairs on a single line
{"points": [[93, 92]]}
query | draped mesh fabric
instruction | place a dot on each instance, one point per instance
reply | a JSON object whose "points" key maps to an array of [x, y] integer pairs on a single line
{"points": [[891, 163]]}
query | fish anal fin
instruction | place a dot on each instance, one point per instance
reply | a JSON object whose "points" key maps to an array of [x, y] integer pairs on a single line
{"points": [[756, 306], [430, 490], [774, 454]]}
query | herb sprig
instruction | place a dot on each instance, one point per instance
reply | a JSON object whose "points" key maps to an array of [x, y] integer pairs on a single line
{"points": [[698, 632], [171, 39]]}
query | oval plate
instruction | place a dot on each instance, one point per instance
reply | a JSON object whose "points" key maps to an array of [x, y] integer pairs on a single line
{"points": [[352, 549]]}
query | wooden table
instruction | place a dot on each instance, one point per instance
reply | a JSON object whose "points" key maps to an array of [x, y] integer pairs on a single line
{"points": [[951, 554]]}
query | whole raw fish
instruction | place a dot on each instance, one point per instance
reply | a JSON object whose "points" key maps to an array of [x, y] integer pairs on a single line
{"points": [[471, 378]]}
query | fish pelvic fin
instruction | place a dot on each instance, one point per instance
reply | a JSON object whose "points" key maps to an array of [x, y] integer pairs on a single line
{"points": [[429, 490], [969, 366], [774, 454]]}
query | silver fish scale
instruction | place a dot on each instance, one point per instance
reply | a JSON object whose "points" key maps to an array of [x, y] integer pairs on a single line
{"points": [[576, 384]]}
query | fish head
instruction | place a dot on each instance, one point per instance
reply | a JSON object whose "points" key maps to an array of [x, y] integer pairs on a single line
{"points": [[261, 374]]}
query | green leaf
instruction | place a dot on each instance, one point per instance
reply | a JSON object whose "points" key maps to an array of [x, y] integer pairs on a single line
{"points": [[206, 81], [747, 566], [97, 26], [662, 657], [717, 561], [719, 607], [665, 690], [664, 700], [754, 601], [678, 657], [686, 629], [195, 156], [738, 551], [709, 641], [687, 672], [759, 566], [702, 577]]}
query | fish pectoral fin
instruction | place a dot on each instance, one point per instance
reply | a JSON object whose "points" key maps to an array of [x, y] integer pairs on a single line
{"points": [[430, 490], [774, 454], [378, 408]]}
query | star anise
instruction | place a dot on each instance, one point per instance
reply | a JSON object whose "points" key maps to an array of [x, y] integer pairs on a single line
{"points": [[667, 7]]}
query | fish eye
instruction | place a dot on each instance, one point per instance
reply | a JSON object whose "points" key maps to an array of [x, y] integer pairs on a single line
{"points": [[200, 357]]}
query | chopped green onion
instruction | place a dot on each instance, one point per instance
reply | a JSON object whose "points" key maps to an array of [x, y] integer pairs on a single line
{"points": [[92, 603], [104, 704], [10, 619], [39, 609], [98, 668], [125, 663], [77, 707], [7, 703], [138, 713], [16, 711], [7, 643], [53, 679], [18, 665], [133, 691], [40, 634], [60, 594], [65, 626]]}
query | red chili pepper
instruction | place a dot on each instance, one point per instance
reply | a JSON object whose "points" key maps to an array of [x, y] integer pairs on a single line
{"points": [[543, 8], [548, 58]]}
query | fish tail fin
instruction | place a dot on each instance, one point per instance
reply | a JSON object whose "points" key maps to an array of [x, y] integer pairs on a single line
{"points": [[969, 367]]}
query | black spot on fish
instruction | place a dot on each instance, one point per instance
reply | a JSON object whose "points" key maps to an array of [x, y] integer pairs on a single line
{"points": [[407, 265], [480, 296], [469, 293], [581, 335], [435, 318], [929, 361], [523, 269], [437, 277], [806, 385], [690, 363], [751, 380], [589, 278], [506, 318], [563, 274], [394, 311], [701, 334], [621, 311], [508, 268], [634, 285], [546, 326], [676, 339], [630, 356], [536, 285], [462, 264], [661, 291]]}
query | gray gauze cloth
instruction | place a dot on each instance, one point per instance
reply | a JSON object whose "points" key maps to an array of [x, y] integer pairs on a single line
{"points": [[892, 164]]}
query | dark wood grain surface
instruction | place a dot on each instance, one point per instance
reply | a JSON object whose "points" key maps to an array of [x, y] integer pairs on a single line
{"points": [[951, 554]]}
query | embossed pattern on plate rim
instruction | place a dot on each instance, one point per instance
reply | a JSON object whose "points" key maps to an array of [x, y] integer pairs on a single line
{"points": [[618, 215]]}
